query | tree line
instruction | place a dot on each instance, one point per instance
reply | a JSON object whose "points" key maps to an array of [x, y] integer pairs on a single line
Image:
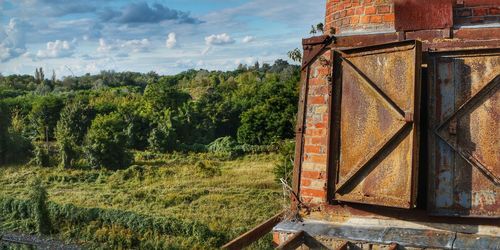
{"points": [[98, 120]]}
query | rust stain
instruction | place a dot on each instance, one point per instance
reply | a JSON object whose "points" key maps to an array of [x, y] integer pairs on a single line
{"points": [[468, 134], [376, 134]]}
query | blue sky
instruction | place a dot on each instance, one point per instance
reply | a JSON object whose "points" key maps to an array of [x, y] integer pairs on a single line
{"points": [[169, 36]]}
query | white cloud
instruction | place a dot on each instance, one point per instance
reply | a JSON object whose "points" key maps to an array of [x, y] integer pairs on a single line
{"points": [[247, 61], [171, 40], [206, 50], [220, 39], [142, 45], [248, 39], [13, 39], [184, 63], [105, 47], [137, 45], [57, 49]]}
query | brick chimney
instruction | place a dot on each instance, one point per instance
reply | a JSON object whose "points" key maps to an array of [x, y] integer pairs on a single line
{"points": [[348, 17], [359, 16]]}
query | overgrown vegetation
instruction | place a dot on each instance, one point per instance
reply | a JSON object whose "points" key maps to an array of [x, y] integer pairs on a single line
{"points": [[94, 121], [143, 161], [165, 201]]}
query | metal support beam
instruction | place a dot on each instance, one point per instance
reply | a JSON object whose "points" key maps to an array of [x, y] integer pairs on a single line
{"points": [[255, 234]]}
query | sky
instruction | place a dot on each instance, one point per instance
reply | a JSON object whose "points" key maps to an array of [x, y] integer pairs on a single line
{"points": [[75, 37]]}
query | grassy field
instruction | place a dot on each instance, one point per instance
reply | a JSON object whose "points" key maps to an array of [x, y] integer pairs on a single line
{"points": [[172, 201]]}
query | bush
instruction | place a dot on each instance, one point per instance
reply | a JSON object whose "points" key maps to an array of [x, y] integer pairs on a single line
{"points": [[39, 197], [163, 137], [265, 123], [20, 148], [284, 169], [4, 132], [225, 145], [13, 146], [70, 131], [44, 116], [105, 144], [41, 155]]}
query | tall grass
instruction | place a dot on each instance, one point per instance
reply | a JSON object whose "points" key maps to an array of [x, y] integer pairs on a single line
{"points": [[176, 201]]}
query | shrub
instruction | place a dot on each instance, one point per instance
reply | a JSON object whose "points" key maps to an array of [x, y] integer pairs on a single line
{"points": [[284, 169], [13, 146], [105, 144], [163, 137], [44, 116], [225, 145], [265, 123], [20, 148], [38, 197], [70, 131], [4, 132], [41, 154]]}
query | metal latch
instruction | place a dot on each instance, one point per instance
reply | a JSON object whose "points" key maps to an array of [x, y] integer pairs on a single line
{"points": [[408, 116]]}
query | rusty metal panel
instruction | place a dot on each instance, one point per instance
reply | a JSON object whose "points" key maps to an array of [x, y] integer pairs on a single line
{"points": [[423, 14], [464, 134], [379, 119]]}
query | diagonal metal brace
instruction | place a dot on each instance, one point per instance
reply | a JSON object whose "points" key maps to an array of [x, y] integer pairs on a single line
{"points": [[466, 155]]}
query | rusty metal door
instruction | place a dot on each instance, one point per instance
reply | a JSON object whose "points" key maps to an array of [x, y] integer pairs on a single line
{"points": [[377, 116], [464, 134]]}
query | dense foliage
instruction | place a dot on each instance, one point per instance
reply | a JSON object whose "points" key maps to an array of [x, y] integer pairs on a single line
{"points": [[97, 120]]}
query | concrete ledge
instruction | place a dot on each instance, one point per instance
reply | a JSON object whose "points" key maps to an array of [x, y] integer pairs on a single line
{"points": [[410, 235]]}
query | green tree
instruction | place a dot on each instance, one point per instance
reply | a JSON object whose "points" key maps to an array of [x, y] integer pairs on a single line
{"points": [[70, 131], [159, 96], [39, 75], [105, 144], [267, 122], [163, 137], [20, 148], [44, 115], [138, 122]]}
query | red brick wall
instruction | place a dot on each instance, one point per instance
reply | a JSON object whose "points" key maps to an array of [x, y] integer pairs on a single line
{"points": [[359, 15], [473, 12], [313, 175]]}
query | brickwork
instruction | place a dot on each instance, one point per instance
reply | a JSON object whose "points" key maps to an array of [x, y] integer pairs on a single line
{"points": [[476, 12], [314, 165], [347, 16]]}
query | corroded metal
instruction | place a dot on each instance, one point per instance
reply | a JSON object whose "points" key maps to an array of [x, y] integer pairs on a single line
{"points": [[379, 120], [313, 47], [432, 40], [464, 134], [253, 235]]}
